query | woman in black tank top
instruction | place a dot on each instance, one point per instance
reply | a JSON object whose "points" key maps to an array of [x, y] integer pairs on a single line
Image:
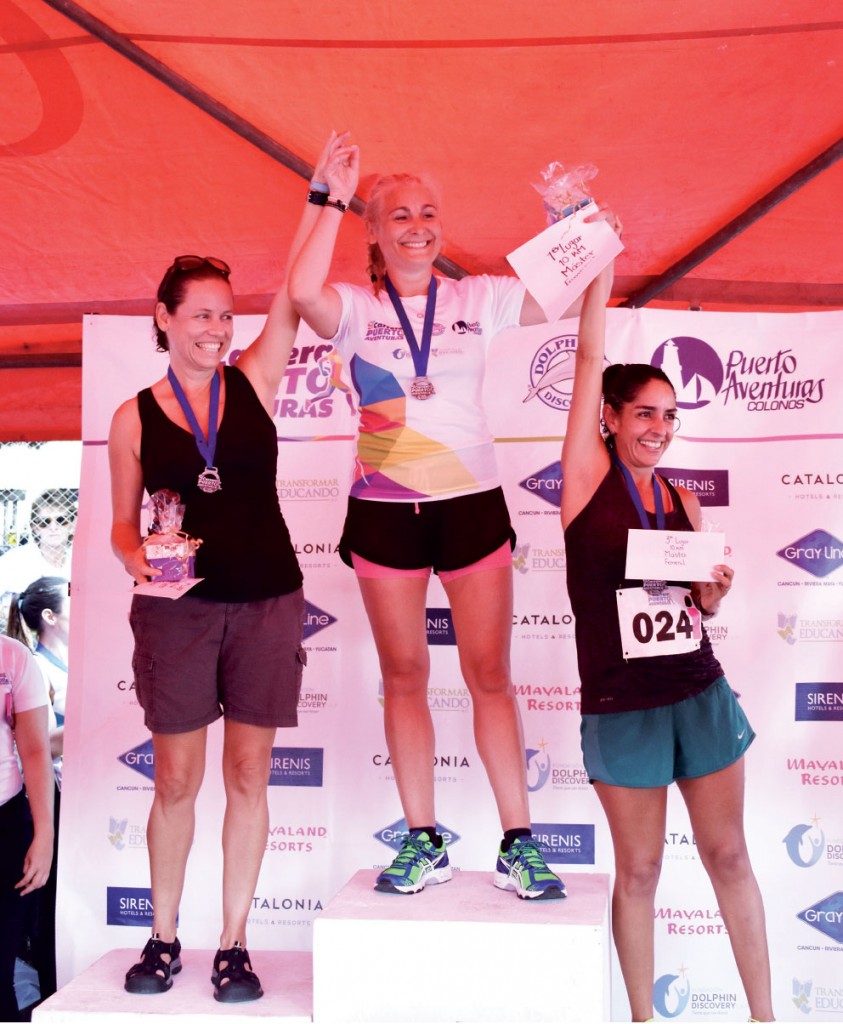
{"points": [[656, 703], [205, 430]]}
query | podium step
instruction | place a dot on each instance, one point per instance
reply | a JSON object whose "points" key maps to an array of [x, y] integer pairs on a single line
{"points": [[462, 951], [97, 996]]}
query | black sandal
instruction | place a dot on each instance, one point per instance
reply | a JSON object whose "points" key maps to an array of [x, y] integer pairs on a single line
{"points": [[236, 982], [152, 974]]}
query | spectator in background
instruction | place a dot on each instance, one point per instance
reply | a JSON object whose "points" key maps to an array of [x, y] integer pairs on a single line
{"points": [[48, 552], [26, 825], [40, 617]]}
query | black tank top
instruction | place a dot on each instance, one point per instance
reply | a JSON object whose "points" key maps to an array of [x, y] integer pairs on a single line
{"points": [[595, 555], [246, 554]]}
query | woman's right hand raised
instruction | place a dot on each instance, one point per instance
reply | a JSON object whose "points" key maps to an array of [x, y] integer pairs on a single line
{"points": [[339, 166]]}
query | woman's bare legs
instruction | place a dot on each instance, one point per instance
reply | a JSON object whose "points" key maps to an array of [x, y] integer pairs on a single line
{"points": [[245, 768], [396, 610], [179, 769], [637, 822], [481, 606], [715, 807]]}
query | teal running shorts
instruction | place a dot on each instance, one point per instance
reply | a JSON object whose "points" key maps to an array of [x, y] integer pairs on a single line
{"points": [[652, 748]]}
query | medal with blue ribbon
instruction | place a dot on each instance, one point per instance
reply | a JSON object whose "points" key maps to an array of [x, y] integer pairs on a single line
{"points": [[209, 478], [421, 387]]}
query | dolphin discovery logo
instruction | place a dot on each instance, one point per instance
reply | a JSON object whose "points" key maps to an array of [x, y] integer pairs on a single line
{"points": [[552, 372], [538, 767], [804, 844], [671, 994]]}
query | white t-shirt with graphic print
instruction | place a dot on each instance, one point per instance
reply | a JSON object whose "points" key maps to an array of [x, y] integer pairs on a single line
{"points": [[418, 450]]}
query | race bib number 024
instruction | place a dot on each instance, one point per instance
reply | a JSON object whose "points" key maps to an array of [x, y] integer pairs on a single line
{"points": [[652, 624]]}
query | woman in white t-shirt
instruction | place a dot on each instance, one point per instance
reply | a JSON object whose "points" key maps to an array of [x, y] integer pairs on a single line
{"points": [[26, 818], [426, 496], [44, 609]]}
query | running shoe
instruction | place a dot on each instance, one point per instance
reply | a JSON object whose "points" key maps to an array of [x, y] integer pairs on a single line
{"points": [[419, 863], [522, 869]]}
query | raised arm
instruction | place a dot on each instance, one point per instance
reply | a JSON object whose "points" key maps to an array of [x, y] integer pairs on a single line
{"points": [[265, 361], [318, 304], [584, 456]]}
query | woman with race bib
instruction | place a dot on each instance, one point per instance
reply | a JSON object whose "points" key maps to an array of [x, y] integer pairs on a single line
{"points": [[650, 718]]}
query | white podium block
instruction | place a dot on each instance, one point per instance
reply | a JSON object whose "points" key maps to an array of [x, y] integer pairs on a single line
{"points": [[97, 996], [462, 951]]}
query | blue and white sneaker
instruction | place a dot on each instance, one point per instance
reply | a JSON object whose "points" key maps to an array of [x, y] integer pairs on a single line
{"points": [[522, 869], [419, 863]]}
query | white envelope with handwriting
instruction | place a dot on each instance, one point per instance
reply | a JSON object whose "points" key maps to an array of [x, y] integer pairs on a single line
{"points": [[559, 264]]}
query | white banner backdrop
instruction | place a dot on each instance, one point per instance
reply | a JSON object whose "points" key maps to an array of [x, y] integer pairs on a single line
{"points": [[760, 444]]}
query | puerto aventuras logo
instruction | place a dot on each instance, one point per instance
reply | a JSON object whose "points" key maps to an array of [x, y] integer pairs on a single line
{"points": [[768, 382], [694, 369]]}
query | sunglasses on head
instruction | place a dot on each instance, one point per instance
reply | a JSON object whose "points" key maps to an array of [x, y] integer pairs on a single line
{"points": [[182, 264], [46, 520]]}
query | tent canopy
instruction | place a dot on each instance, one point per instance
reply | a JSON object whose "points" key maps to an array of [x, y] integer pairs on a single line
{"points": [[691, 113]]}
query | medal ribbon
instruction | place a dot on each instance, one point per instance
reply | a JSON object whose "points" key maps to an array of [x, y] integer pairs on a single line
{"points": [[636, 497], [207, 446], [420, 354]]}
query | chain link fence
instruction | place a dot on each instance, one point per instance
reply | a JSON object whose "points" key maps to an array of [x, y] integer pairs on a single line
{"points": [[37, 520]]}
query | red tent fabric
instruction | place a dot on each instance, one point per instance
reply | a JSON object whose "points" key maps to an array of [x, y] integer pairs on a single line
{"points": [[691, 113]]}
